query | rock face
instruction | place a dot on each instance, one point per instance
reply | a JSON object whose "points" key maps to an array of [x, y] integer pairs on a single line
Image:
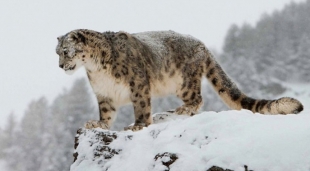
{"points": [[98, 141], [225, 141], [166, 159], [93, 149]]}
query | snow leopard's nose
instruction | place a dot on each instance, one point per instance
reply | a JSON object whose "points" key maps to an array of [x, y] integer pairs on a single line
{"points": [[61, 65]]}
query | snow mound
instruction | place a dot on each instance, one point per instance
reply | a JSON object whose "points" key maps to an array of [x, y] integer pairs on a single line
{"points": [[234, 140]]}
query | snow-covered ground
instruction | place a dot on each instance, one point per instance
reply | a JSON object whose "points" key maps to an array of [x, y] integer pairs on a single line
{"points": [[228, 139]]}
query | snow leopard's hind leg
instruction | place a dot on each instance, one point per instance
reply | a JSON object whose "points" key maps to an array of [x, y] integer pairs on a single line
{"points": [[190, 91]]}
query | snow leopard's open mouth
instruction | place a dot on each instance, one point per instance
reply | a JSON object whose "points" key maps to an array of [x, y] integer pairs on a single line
{"points": [[72, 67]]}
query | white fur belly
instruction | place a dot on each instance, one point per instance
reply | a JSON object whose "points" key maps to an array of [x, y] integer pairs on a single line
{"points": [[107, 86], [167, 86]]}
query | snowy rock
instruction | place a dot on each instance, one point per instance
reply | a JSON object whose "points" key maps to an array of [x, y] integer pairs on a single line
{"points": [[210, 141]]}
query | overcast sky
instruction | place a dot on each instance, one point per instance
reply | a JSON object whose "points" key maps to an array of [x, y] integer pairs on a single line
{"points": [[29, 64]]}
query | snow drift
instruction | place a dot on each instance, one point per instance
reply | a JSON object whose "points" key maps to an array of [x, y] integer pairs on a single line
{"points": [[232, 140]]}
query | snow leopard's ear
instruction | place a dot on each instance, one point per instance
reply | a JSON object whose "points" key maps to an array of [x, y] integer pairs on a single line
{"points": [[76, 37], [122, 35], [60, 39]]}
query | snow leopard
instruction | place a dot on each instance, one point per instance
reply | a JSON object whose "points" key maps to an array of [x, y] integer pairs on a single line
{"points": [[125, 68]]}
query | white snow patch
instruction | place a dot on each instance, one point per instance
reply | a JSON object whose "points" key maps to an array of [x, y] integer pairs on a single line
{"points": [[228, 139]]}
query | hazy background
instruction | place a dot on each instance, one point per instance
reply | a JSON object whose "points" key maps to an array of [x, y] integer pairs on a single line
{"points": [[262, 45], [29, 64]]}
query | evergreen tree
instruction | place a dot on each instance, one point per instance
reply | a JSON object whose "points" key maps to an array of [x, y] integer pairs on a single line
{"points": [[70, 111], [6, 135], [275, 50], [26, 149]]}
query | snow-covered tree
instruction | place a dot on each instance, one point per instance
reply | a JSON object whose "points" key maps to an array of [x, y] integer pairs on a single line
{"points": [[276, 49], [25, 152], [7, 134], [69, 111]]}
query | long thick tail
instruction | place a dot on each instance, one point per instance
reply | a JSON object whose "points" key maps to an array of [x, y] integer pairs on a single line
{"points": [[235, 99]]}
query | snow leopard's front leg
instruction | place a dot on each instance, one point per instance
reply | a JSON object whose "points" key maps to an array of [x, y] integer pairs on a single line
{"points": [[107, 115], [141, 100]]}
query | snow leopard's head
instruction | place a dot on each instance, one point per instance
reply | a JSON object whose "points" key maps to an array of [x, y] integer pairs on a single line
{"points": [[71, 48]]}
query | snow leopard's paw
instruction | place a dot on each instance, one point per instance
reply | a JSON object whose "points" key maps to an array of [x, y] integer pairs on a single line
{"points": [[134, 128], [184, 110], [95, 124]]}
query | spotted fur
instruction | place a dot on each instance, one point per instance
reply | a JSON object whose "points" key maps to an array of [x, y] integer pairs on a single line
{"points": [[132, 68]]}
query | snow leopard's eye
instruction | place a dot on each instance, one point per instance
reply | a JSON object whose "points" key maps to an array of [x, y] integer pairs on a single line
{"points": [[65, 51]]}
